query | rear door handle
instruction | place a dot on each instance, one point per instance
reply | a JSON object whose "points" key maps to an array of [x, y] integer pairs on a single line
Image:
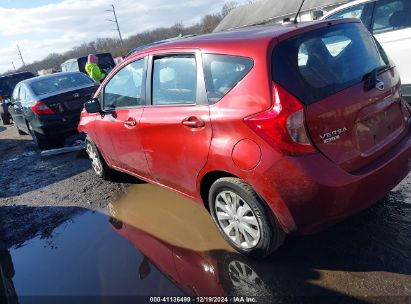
{"points": [[193, 122], [130, 122]]}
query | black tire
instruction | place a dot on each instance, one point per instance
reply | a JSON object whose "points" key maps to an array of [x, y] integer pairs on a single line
{"points": [[100, 166], [40, 140], [271, 236], [5, 119]]}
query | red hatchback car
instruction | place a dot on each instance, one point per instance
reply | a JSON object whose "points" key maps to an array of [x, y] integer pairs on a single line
{"points": [[274, 129]]}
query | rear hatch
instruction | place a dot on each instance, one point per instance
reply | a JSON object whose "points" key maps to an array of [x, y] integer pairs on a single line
{"points": [[350, 91]]}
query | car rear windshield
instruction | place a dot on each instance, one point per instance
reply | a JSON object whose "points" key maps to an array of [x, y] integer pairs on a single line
{"points": [[7, 83], [322, 62], [222, 73], [58, 83]]}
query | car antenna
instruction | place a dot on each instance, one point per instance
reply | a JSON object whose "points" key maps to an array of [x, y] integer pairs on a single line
{"points": [[298, 12]]}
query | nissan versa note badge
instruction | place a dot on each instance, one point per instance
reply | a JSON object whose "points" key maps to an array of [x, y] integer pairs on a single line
{"points": [[271, 145]]}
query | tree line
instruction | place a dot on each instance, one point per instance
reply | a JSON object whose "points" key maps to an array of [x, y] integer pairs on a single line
{"points": [[113, 45]]}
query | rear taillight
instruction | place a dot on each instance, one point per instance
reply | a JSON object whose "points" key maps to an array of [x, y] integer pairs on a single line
{"points": [[1, 99], [40, 108], [283, 125]]}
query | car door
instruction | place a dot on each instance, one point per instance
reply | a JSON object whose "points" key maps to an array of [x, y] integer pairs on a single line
{"points": [[119, 133], [16, 108], [391, 25], [175, 126]]}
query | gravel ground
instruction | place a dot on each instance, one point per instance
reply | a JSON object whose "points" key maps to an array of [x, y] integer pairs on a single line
{"points": [[27, 180]]}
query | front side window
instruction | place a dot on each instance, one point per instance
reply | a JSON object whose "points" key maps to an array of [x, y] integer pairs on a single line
{"points": [[222, 73], [174, 80], [391, 14], [125, 88]]}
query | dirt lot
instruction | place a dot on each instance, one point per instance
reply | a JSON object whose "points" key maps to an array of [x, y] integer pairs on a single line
{"points": [[28, 180], [368, 255]]}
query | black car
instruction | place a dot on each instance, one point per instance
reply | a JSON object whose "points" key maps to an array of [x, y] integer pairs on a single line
{"points": [[48, 107], [7, 84]]}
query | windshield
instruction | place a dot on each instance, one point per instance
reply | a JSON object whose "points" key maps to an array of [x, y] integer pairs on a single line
{"points": [[322, 62], [60, 83]]}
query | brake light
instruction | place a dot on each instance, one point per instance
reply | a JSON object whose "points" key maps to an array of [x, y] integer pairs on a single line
{"points": [[283, 125], [1, 99], [40, 108]]}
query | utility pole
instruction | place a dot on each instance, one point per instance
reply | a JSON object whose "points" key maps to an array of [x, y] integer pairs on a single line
{"points": [[116, 22], [21, 57], [14, 66]]}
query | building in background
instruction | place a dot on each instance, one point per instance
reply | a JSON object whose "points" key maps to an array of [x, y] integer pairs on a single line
{"points": [[276, 11]]}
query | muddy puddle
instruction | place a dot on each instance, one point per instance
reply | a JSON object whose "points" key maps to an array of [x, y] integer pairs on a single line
{"points": [[153, 242]]}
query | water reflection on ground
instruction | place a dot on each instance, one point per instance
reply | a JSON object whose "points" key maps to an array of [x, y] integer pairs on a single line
{"points": [[155, 242]]}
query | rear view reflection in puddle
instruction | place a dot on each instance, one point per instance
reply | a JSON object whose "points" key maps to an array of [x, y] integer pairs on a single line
{"points": [[179, 238], [157, 243]]}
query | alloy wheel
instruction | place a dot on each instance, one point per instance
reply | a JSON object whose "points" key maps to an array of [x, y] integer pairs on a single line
{"points": [[237, 219], [95, 160]]}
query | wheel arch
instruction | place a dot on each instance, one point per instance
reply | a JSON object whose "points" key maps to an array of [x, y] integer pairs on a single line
{"points": [[207, 180]]}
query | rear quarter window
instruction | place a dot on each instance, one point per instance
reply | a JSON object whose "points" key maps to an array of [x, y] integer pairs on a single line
{"points": [[322, 62], [222, 73]]}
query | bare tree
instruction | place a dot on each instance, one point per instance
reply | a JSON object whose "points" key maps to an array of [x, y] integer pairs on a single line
{"points": [[228, 7]]}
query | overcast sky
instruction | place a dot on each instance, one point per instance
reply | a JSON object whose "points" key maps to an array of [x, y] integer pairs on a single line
{"points": [[41, 27]]}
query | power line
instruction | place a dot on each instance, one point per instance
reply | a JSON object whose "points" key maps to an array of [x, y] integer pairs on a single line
{"points": [[116, 22], [21, 57]]}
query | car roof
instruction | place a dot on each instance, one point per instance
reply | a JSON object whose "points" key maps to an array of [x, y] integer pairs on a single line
{"points": [[248, 36], [35, 79], [15, 74], [347, 5]]}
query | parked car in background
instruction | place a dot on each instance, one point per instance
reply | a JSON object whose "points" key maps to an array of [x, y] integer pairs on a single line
{"points": [[105, 62], [48, 107], [7, 84], [390, 22], [269, 141]]}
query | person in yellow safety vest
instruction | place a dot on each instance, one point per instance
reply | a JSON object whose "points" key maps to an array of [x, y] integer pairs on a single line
{"points": [[93, 70]]}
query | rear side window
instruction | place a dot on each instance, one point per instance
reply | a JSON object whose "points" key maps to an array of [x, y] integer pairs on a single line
{"points": [[391, 15], [322, 62], [222, 73], [351, 12]]}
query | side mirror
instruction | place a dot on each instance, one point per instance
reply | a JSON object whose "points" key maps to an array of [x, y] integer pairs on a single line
{"points": [[92, 106], [317, 14]]}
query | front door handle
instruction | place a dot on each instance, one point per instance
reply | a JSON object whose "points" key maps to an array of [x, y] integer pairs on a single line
{"points": [[193, 122], [130, 122]]}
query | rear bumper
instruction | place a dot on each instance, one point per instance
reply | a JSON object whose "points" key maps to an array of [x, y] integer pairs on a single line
{"points": [[318, 193], [55, 129]]}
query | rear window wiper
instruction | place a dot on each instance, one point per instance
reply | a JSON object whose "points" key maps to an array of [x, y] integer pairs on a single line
{"points": [[371, 77]]}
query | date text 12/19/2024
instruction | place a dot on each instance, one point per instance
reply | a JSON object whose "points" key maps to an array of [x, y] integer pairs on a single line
{"points": [[236, 299]]}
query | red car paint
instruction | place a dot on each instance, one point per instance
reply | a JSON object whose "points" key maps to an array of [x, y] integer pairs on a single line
{"points": [[185, 147]]}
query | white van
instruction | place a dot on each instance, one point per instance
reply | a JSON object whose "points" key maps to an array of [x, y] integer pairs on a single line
{"points": [[390, 22]]}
